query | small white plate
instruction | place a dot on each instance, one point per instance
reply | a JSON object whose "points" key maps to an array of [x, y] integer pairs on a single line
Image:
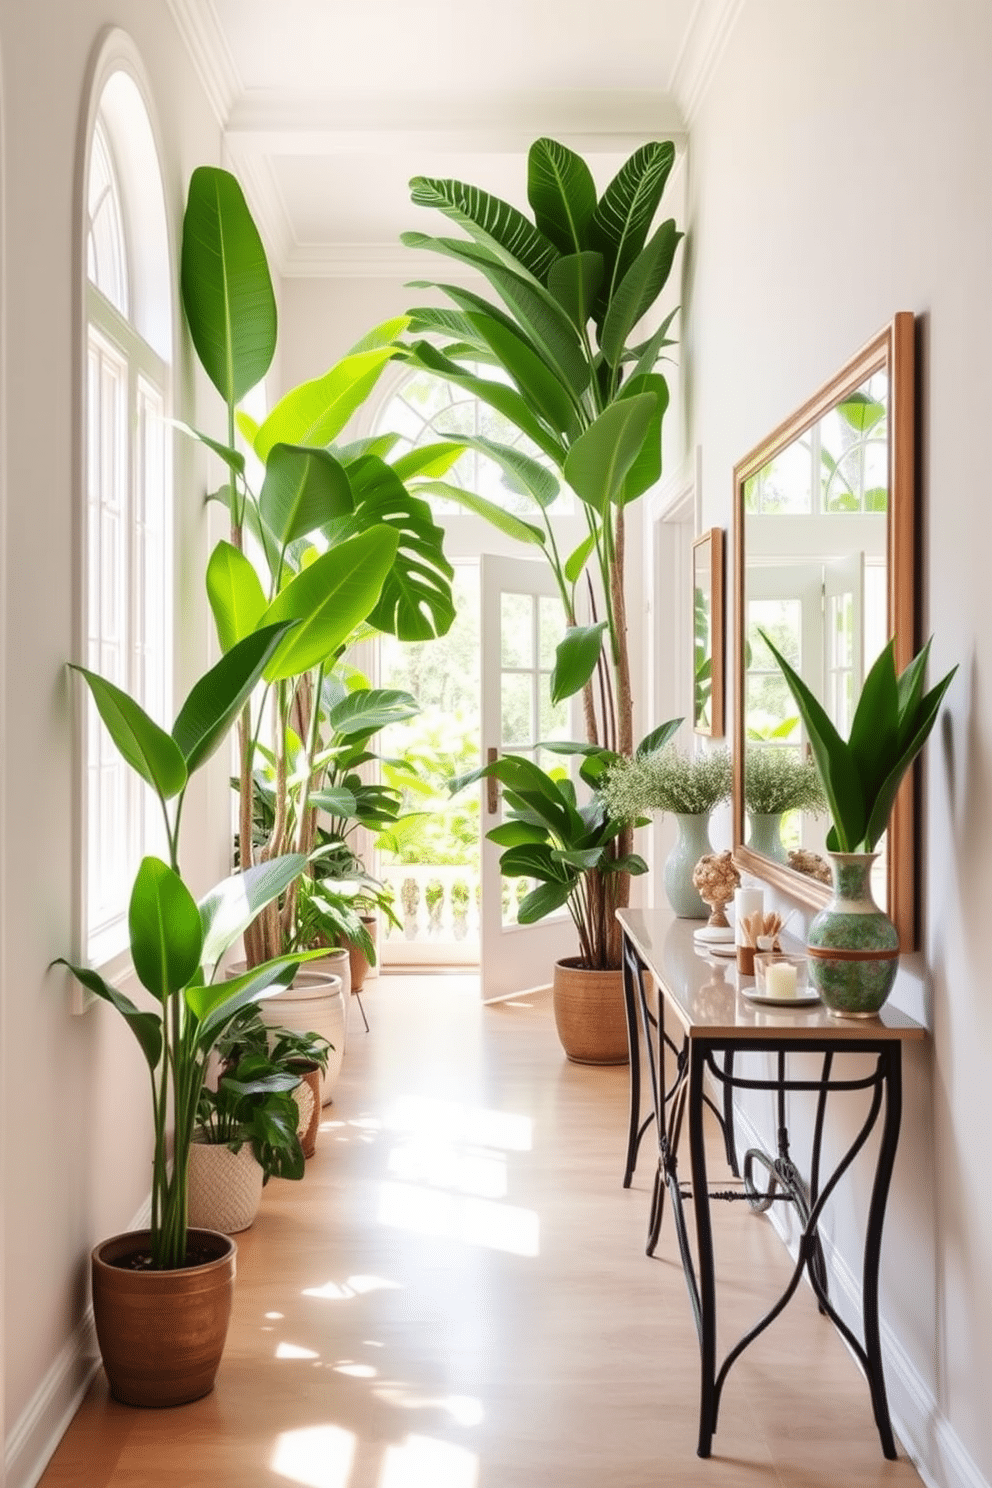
{"points": [[717, 948], [804, 999]]}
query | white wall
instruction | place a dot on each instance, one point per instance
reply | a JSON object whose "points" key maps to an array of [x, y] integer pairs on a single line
{"points": [[74, 1090], [839, 172]]}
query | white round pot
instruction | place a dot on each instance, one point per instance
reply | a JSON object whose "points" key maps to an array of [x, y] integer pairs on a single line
{"points": [[313, 1003], [225, 1187]]}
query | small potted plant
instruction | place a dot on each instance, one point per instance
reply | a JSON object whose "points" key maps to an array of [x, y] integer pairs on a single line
{"points": [[687, 786], [853, 945], [778, 779]]}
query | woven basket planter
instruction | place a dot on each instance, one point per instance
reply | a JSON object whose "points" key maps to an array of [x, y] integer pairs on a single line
{"points": [[225, 1187], [589, 1013]]}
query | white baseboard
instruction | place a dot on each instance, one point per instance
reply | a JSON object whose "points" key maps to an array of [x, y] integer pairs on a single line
{"points": [[46, 1417], [929, 1439]]}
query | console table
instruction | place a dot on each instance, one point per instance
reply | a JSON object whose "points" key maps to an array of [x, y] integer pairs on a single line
{"points": [[707, 1026]]}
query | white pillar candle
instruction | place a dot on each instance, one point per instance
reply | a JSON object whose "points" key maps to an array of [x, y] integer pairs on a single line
{"points": [[780, 979], [746, 902]]}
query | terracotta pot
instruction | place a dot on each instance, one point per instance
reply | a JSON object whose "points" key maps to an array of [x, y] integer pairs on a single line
{"points": [[360, 964], [589, 1013], [162, 1333], [307, 1098], [225, 1187]]}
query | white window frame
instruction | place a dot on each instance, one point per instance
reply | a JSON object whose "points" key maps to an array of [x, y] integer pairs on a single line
{"points": [[126, 583]]}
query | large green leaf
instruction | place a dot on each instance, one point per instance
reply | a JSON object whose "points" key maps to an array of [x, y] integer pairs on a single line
{"points": [[515, 834], [638, 290], [237, 599], [496, 516], [415, 603], [623, 215], [215, 1005], [229, 908], [164, 928], [575, 282], [427, 461], [499, 395], [315, 412], [534, 860], [365, 712], [575, 659], [648, 353], [523, 474], [303, 488], [542, 901], [381, 336], [469, 301], [233, 458], [217, 698], [837, 770], [226, 287], [578, 558], [600, 459], [924, 718], [874, 737], [146, 1027], [645, 472], [531, 374], [658, 737], [148, 749], [562, 194], [493, 223], [329, 599]]}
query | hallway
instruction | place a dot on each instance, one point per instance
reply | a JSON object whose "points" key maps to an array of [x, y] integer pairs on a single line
{"points": [[457, 1296]]}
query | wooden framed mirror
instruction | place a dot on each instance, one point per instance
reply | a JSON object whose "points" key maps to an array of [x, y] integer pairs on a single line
{"points": [[825, 560], [707, 633]]}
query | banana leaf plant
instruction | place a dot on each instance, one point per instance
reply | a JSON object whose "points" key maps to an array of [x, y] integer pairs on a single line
{"points": [[177, 942], [568, 847], [575, 371], [337, 537], [862, 774]]}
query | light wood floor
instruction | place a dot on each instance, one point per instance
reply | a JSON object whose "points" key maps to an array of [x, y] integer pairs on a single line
{"points": [[457, 1296]]}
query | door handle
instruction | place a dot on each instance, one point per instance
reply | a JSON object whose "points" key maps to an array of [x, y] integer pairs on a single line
{"points": [[492, 784]]}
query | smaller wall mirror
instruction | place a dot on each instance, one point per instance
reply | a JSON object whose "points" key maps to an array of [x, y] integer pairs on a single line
{"points": [[707, 633], [824, 529]]}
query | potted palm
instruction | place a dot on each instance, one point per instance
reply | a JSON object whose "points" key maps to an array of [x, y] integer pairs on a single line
{"points": [[853, 945], [162, 1297], [559, 350], [567, 848], [688, 787]]}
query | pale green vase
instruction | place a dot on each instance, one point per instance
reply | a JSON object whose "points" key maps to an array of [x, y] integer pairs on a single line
{"points": [[853, 945], [766, 835], [691, 844]]}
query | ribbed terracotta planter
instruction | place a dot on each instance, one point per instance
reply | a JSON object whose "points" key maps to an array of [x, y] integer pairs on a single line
{"points": [[162, 1333], [589, 1013], [307, 1098]]}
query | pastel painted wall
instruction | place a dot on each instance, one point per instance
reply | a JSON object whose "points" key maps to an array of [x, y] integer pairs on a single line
{"points": [[838, 173]]}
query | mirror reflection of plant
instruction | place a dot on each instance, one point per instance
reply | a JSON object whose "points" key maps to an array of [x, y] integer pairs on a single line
{"points": [[781, 779], [667, 780]]}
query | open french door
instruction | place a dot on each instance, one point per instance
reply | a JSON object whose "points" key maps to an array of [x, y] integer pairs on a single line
{"points": [[521, 625]]}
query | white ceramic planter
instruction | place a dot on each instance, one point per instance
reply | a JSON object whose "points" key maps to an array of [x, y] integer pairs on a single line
{"points": [[314, 1003], [225, 1187]]}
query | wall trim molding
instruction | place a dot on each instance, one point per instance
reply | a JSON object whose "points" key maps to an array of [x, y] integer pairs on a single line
{"points": [[46, 1417], [926, 1435]]}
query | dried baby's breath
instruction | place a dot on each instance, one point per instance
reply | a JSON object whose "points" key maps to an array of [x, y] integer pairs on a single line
{"points": [[690, 785]]}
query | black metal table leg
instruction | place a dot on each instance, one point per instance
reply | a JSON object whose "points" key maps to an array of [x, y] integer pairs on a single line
{"points": [[631, 972], [705, 1280], [890, 1060]]}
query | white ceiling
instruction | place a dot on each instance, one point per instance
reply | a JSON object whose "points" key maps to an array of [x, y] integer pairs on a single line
{"points": [[328, 107]]}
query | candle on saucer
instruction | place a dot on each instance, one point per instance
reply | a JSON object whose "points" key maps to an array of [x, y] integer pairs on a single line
{"points": [[781, 980]]}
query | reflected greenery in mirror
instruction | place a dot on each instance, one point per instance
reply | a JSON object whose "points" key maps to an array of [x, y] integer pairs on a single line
{"points": [[824, 523]]}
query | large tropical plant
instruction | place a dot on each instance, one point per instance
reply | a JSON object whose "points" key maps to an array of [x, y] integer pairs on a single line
{"points": [[558, 351], [862, 774], [332, 538], [176, 942]]}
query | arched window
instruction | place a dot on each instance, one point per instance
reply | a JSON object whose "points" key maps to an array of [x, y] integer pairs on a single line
{"points": [[127, 619]]}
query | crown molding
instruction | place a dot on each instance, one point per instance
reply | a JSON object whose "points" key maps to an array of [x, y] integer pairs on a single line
{"points": [[210, 54], [706, 37]]}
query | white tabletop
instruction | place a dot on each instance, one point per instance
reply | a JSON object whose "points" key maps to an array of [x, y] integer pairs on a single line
{"points": [[703, 990]]}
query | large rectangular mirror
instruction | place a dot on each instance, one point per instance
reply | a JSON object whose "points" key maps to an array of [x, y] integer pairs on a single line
{"points": [[824, 539]]}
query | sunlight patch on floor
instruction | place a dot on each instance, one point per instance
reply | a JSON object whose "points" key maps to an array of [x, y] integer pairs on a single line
{"points": [[315, 1456], [470, 1220], [423, 1462], [439, 1166], [345, 1291], [294, 1351], [451, 1122], [463, 1409]]}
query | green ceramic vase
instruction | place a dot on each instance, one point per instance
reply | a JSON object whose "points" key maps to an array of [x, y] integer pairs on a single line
{"points": [[853, 945], [766, 835], [692, 843]]}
